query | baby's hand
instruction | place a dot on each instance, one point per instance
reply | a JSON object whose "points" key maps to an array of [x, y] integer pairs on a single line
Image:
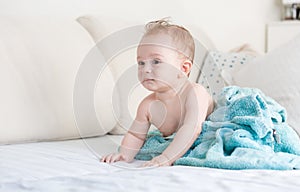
{"points": [[160, 160], [113, 158]]}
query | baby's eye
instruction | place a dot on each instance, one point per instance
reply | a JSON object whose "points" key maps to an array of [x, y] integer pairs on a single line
{"points": [[156, 61], [141, 63]]}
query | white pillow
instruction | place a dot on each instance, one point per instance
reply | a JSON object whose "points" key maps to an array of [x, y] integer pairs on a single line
{"points": [[40, 57], [123, 63], [277, 75], [118, 45]]}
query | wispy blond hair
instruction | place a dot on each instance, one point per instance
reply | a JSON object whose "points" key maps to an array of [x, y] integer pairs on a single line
{"points": [[181, 37]]}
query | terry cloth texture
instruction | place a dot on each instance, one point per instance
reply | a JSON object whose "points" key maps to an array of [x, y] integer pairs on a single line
{"points": [[247, 130]]}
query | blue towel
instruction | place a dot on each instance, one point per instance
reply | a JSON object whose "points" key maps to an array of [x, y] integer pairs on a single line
{"points": [[247, 130]]}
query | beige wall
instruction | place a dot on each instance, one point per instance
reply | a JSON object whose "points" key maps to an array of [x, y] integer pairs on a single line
{"points": [[229, 23]]}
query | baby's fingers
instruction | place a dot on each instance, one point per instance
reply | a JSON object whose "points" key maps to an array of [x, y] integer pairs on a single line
{"points": [[112, 158], [107, 158], [150, 164], [116, 157]]}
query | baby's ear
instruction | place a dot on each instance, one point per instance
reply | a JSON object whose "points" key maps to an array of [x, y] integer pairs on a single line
{"points": [[186, 66]]}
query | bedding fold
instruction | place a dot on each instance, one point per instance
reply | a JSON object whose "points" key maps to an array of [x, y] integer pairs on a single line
{"points": [[247, 130]]}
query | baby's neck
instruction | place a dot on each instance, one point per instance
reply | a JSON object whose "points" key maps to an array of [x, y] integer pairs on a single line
{"points": [[171, 93]]}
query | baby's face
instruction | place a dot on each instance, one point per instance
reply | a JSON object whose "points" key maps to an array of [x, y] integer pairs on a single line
{"points": [[159, 64]]}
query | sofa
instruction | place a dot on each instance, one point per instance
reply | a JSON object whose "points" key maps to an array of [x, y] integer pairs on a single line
{"points": [[47, 90]]}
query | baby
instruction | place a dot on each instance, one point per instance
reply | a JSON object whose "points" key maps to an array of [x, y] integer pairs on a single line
{"points": [[165, 56]]}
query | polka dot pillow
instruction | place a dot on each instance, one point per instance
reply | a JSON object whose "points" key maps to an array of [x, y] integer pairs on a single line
{"points": [[218, 69]]}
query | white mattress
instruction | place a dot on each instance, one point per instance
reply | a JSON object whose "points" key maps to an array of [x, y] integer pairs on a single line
{"points": [[74, 166]]}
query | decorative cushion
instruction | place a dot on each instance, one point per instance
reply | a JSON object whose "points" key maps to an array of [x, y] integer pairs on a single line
{"points": [[219, 68]]}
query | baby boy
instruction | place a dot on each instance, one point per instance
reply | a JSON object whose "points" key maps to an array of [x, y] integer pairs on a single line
{"points": [[165, 56]]}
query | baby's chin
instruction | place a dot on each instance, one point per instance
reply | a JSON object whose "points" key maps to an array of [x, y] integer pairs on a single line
{"points": [[150, 85], [155, 86]]}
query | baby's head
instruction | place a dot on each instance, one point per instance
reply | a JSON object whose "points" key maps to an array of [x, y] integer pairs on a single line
{"points": [[165, 46], [182, 40]]}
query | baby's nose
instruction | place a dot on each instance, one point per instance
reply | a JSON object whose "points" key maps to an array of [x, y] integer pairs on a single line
{"points": [[147, 67]]}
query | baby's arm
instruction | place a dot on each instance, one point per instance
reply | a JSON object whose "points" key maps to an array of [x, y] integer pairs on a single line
{"points": [[196, 106], [134, 138]]}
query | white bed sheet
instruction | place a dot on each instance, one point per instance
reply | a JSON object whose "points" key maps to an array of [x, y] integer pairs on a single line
{"points": [[74, 166]]}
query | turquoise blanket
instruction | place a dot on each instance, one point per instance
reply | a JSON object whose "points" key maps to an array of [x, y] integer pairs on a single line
{"points": [[247, 130]]}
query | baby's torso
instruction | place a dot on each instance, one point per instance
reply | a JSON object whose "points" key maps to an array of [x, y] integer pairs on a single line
{"points": [[167, 116]]}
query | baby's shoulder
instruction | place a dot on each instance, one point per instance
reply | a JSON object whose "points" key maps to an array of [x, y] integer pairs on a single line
{"points": [[148, 99], [144, 104], [143, 108], [197, 91], [196, 88]]}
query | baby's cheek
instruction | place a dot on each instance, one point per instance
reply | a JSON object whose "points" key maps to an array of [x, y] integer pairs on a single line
{"points": [[140, 75], [168, 74]]}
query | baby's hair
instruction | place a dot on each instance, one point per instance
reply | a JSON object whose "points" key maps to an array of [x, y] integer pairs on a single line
{"points": [[181, 36]]}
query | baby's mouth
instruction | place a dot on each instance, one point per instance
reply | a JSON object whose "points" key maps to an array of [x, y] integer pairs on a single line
{"points": [[149, 80]]}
